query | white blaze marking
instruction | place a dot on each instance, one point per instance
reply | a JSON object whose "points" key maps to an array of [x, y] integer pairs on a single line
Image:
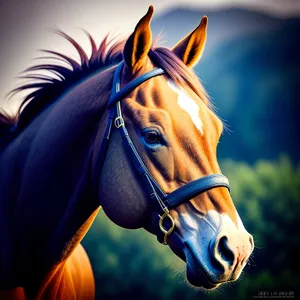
{"points": [[188, 104], [189, 221], [210, 224], [240, 223]]}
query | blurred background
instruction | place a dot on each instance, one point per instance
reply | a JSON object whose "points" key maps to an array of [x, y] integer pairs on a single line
{"points": [[250, 69]]}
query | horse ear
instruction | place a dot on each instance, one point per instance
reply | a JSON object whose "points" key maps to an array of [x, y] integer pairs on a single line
{"points": [[190, 48], [138, 44]]}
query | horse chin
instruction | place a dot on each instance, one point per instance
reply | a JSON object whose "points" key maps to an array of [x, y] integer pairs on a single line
{"points": [[197, 281]]}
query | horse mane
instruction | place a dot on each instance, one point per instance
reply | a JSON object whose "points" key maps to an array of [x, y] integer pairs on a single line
{"points": [[48, 88]]}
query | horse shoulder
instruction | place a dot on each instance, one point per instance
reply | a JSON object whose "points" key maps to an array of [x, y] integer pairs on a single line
{"points": [[72, 279]]}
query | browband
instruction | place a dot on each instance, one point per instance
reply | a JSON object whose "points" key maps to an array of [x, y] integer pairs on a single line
{"points": [[118, 95]]}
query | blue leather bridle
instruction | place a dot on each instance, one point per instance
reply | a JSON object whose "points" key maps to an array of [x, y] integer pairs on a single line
{"points": [[155, 193]]}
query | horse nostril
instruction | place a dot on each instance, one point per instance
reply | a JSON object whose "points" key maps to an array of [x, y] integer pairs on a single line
{"points": [[224, 250], [223, 253]]}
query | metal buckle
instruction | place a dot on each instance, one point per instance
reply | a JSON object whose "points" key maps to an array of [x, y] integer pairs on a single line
{"points": [[170, 230], [119, 122]]}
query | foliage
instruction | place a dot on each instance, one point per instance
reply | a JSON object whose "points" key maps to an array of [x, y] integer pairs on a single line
{"points": [[132, 264], [253, 81]]}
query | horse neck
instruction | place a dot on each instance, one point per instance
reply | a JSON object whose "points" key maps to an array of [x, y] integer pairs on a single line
{"points": [[50, 188]]}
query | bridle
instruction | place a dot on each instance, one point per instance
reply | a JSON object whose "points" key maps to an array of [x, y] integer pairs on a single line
{"points": [[164, 201]]}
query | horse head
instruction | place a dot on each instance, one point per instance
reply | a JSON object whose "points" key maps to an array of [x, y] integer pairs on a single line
{"points": [[175, 132]]}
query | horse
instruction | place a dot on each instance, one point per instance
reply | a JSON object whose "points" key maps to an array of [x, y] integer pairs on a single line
{"points": [[129, 129]]}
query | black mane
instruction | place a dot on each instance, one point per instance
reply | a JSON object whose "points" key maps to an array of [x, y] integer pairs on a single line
{"points": [[48, 88]]}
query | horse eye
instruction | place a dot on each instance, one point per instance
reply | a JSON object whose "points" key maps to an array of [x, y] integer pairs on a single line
{"points": [[151, 137]]}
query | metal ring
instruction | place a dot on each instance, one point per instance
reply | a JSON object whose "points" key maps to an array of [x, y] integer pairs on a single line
{"points": [[170, 230], [119, 121]]}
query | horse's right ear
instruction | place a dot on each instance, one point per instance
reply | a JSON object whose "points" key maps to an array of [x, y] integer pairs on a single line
{"points": [[138, 44]]}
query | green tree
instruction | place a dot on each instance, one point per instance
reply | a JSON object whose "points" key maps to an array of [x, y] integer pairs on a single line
{"points": [[133, 265]]}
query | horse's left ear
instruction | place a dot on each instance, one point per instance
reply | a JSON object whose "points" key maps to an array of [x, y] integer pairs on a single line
{"points": [[138, 44], [190, 48]]}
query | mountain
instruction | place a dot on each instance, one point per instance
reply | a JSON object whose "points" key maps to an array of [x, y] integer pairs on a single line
{"points": [[251, 71], [254, 82], [222, 25]]}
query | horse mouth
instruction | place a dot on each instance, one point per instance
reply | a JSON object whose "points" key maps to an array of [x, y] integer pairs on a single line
{"points": [[208, 266], [195, 273]]}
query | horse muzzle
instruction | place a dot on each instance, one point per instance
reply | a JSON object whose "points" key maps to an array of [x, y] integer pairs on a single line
{"points": [[215, 250]]}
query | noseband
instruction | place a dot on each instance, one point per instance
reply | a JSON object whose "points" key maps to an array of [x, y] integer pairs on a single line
{"points": [[164, 201]]}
